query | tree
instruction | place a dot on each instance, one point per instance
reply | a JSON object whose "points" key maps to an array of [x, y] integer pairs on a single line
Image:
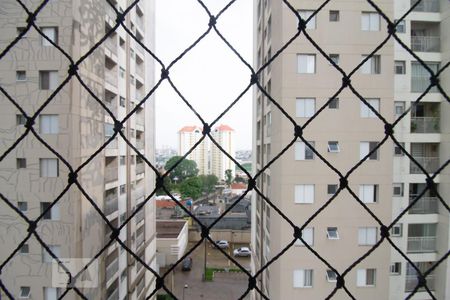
{"points": [[187, 168], [191, 188], [240, 179], [208, 182], [228, 176]]}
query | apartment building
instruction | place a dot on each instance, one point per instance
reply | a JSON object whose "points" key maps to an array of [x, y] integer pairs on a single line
{"points": [[188, 136], [299, 183], [224, 136], [119, 73]]}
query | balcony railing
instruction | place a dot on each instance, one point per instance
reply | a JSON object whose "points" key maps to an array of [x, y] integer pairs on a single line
{"points": [[111, 174], [140, 215], [111, 105], [114, 295], [430, 164], [140, 70], [420, 83], [140, 239], [140, 168], [111, 77], [111, 44], [426, 5], [139, 144], [422, 244], [112, 269], [425, 205], [426, 43], [111, 204], [425, 124], [138, 193], [412, 281]]}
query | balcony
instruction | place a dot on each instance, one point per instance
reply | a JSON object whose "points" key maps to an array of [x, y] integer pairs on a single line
{"points": [[111, 203], [111, 44], [111, 76], [421, 244], [412, 281], [140, 215], [138, 193], [426, 43], [140, 22], [139, 144], [420, 77], [112, 269], [114, 295], [140, 69], [112, 144], [426, 6], [140, 168], [425, 124], [111, 174], [430, 164], [140, 239], [425, 205]]}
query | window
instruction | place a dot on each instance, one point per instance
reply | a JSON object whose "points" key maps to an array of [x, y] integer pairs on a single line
{"points": [[21, 163], [400, 67], [52, 214], [122, 160], [367, 236], [332, 233], [365, 277], [123, 189], [303, 151], [303, 278], [307, 236], [132, 79], [305, 14], [397, 189], [332, 189], [25, 292], [123, 276], [397, 230], [304, 193], [366, 147], [20, 30], [395, 268], [305, 107], [49, 167], [370, 21], [333, 146], [399, 107], [306, 63], [331, 276], [25, 249], [121, 72], [334, 16], [368, 193], [122, 101], [49, 124], [22, 206], [46, 257], [366, 112], [51, 293], [51, 33], [48, 80], [335, 58], [132, 54], [372, 65], [401, 26], [334, 103], [21, 75], [398, 151], [20, 119]]}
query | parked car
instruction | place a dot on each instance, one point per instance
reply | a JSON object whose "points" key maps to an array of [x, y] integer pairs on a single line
{"points": [[243, 251], [187, 264], [222, 244]]}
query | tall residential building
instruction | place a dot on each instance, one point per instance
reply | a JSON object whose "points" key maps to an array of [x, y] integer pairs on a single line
{"points": [[224, 136], [119, 73], [188, 136], [299, 183]]}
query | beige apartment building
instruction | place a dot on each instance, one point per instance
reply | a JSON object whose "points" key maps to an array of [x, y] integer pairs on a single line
{"points": [[299, 183], [119, 73], [188, 136], [224, 136]]}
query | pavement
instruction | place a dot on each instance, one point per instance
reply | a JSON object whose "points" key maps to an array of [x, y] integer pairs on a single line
{"points": [[225, 286]]}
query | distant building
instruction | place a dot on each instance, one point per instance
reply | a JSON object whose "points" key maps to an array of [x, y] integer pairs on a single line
{"points": [[188, 136], [224, 135]]}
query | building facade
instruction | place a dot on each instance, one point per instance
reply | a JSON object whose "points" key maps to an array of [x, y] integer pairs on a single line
{"points": [[119, 72], [346, 130], [224, 136], [188, 136]]}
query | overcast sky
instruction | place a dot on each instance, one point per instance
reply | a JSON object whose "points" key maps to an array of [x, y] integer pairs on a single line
{"points": [[210, 76]]}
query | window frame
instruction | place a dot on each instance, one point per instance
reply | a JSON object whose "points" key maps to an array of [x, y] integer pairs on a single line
{"points": [[305, 14], [366, 277], [335, 230], [400, 64], [334, 103], [366, 241], [365, 111], [307, 154], [308, 236], [21, 72], [395, 227], [330, 277], [53, 126], [336, 16], [371, 66], [41, 170], [362, 193], [307, 191], [21, 295], [398, 185], [303, 107], [55, 39], [395, 268], [307, 56], [370, 16], [333, 147], [307, 276]]}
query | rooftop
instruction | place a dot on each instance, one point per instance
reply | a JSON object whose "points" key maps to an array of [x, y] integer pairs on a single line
{"points": [[169, 229]]}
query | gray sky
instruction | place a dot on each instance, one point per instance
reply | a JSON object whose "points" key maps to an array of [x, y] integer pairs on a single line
{"points": [[210, 76]]}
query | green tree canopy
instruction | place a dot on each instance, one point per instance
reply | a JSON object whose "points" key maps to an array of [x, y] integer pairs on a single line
{"points": [[228, 176], [208, 182], [187, 168], [191, 187]]}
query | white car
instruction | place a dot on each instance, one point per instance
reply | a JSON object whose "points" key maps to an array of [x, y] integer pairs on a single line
{"points": [[243, 251], [222, 244]]}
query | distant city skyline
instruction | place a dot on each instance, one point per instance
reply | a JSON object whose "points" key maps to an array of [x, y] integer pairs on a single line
{"points": [[192, 74]]}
